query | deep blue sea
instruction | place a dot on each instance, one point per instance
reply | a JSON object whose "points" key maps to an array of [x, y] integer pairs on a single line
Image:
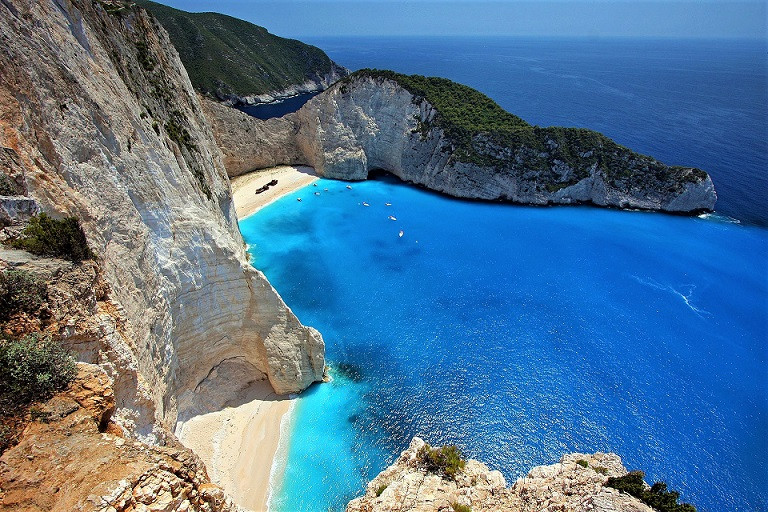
{"points": [[522, 333]]}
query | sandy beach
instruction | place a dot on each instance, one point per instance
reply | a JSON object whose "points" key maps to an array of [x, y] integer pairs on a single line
{"points": [[238, 444], [289, 178]]}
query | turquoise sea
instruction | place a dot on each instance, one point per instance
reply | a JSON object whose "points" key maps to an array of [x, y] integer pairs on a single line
{"points": [[524, 333]]}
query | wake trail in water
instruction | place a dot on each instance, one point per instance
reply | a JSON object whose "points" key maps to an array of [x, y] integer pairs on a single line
{"points": [[686, 297]]}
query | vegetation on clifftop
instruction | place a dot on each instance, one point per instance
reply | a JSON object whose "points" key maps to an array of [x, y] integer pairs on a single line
{"points": [[657, 496], [485, 134], [445, 461], [225, 55]]}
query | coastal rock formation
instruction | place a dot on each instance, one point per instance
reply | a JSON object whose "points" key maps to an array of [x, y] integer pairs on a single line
{"points": [[73, 457], [384, 121], [576, 483], [248, 143], [467, 146], [98, 114], [317, 83]]}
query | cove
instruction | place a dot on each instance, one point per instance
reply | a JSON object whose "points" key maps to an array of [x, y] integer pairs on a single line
{"points": [[520, 334]]}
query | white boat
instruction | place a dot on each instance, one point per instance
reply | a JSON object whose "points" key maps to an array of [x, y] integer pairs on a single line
{"points": [[387, 204], [392, 217], [365, 204], [400, 234], [317, 193], [349, 187], [298, 199]]}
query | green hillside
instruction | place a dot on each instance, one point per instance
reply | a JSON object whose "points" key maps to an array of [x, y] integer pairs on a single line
{"points": [[226, 56]]}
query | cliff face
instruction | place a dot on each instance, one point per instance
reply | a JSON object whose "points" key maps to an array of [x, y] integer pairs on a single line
{"points": [[372, 121], [98, 112], [248, 143], [94, 467], [577, 482]]}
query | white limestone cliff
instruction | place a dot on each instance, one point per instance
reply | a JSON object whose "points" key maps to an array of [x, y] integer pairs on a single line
{"points": [[98, 111], [366, 123], [316, 83]]}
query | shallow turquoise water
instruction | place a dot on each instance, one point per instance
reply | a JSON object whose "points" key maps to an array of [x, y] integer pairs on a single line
{"points": [[520, 334]]}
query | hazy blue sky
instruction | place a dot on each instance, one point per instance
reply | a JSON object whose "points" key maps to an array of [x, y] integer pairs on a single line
{"points": [[601, 18]]}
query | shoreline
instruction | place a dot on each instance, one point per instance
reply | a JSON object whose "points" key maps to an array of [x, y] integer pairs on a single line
{"points": [[289, 179], [238, 444]]}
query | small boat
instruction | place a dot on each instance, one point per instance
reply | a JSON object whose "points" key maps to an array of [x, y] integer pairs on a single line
{"points": [[365, 204], [325, 190], [387, 204], [298, 199], [317, 193], [349, 187], [314, 184], [400, 234], [392, 217]]}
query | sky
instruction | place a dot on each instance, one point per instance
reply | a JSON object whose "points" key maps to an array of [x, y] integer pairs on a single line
{"points": [[565, 18]]}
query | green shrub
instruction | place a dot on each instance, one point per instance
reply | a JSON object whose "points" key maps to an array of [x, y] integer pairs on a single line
{"points": [[32, 368], [446, 461], [20, 291], [582, 463], [600, 469], [458, 507], [657, 497], [380, 489], [177, 133], [47, 236], [142, 54]]}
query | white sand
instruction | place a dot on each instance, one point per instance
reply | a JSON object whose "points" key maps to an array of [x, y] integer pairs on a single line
{"points": [[289, 178], [238, 444]]}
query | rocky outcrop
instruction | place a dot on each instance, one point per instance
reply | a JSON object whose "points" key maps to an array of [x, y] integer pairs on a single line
{"points": [[372, 121], [576, 483], [249, 143], [319, 82], [71, 456], [103, 122]]}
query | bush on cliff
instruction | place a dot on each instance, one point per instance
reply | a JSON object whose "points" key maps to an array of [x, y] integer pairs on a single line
{"points": [[32, 368], [657, 496], [20, 291], [445, 461], [47, 236]]}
